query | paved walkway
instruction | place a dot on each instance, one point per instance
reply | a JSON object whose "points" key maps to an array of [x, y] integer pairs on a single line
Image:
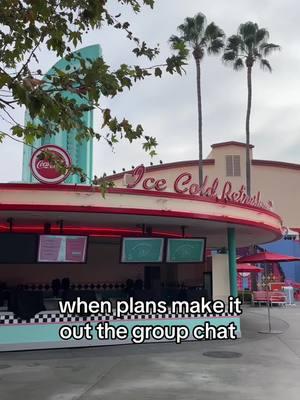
{"points": [[268, 368]]}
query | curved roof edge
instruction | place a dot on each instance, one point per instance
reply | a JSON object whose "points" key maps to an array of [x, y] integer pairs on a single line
{"points": [[278, 164], [231, 143]]}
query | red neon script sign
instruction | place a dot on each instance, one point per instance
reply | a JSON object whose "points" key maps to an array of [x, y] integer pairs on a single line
{"points": [[183, 185]]}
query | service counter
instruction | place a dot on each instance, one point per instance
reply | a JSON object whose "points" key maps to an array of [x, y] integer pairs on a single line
{"points": [[224, 220], [42, 331]]}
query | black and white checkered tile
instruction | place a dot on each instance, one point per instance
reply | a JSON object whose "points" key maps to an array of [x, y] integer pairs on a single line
{"points": [[44, 287], [50, 318]]}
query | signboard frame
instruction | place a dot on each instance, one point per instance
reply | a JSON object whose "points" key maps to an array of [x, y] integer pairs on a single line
{"points": [[64, 262], [167, 259], [123, 260], [61, 153]]}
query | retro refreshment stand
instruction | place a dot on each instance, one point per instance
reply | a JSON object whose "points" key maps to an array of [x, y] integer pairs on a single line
{"points": [[157, 202]]}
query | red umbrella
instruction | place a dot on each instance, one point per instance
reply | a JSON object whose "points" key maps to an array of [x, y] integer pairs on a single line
{"points": [[249, 268], [266, 257]]}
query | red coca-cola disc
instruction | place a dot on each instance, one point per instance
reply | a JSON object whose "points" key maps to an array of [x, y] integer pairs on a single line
{"points": [[43, 170]]}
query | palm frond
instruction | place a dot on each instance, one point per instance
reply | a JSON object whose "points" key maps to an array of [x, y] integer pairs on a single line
{"points": [[182, 28], [247, 32], [199, 36], [187, 29], [203, 42], [215, 46], [264, 64], [256, 52], [229, 56], [192, 30], [249, 45], [200, 23], [248, 29], [238, 64], [268, 48], [234, 43], [262, 35], [212, 32]]}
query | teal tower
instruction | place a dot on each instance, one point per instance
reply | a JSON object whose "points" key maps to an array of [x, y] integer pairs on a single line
{"points": [[81, 153]]}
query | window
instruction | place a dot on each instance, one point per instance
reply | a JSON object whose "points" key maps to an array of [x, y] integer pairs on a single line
{"points": [[233, 166]]}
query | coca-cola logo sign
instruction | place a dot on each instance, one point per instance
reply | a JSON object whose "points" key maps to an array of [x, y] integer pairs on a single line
{"points": [[44, 170]]}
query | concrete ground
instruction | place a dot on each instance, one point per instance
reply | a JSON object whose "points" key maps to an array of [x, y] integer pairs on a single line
{"points": [[268, 367]]}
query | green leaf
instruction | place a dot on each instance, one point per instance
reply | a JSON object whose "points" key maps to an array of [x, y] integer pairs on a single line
{"points": [[17, 130], [158, 72]]}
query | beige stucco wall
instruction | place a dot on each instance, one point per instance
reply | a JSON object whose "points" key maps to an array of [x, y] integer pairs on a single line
{"points": [[219, 155], [281, 185], [220, 273]]}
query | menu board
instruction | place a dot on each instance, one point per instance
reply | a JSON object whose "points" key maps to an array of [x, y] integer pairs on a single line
{"points": [[186, 250], [142, 250], [62, 249]]}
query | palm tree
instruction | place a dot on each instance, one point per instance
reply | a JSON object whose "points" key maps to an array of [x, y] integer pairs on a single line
{"points": [[199, 38], [249, 45]]}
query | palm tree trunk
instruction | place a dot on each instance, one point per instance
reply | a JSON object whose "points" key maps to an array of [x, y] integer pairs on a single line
{"points": [[199, 120], [248, 161]]}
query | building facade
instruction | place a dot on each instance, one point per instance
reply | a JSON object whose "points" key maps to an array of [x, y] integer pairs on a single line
{"points": [[274, 182]]}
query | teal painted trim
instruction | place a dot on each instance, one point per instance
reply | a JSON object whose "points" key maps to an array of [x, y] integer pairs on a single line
{"points": [[90, 162], [231, 235], [47, 335]]}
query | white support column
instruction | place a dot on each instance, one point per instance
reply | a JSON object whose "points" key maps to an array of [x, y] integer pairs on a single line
{"points": [[220, 277]]}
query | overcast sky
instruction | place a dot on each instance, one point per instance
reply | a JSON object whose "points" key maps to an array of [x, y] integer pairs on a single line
{"points": [[166, 107]]}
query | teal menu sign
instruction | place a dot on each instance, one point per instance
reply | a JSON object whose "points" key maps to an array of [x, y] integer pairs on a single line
{"points": [[142, 250], [185, 250]]}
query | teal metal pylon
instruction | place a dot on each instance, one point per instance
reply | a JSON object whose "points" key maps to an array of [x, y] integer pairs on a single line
{"points": [[81, 153]]}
